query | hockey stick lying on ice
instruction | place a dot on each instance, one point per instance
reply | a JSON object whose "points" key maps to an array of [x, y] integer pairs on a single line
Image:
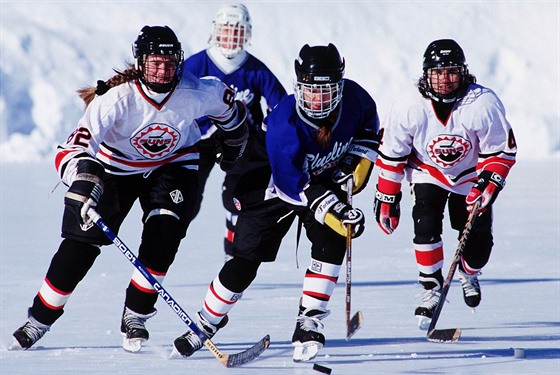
{"points": [[354, 324], [451, 334], [228, 360]]}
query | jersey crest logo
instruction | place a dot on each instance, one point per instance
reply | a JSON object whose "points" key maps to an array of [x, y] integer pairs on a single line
{"points": [[316, 266], [86, 227], [176, 196], [155, 141], [447, 151], [237, 204]]}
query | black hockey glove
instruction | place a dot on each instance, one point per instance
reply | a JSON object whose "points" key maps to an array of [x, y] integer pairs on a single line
{"points": [[486, 188], [86, 189], [330, 211], [353, 166], [387, 211], [231, 143], [340, 215]]}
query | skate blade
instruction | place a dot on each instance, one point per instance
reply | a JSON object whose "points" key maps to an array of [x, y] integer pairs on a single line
{"points": [[15, 346], [424, 322], [175, 353], [132, 345], [304, 352]]}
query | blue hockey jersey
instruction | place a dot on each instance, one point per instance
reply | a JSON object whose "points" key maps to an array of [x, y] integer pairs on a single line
{"points": [[251, 80], [299, 164]]}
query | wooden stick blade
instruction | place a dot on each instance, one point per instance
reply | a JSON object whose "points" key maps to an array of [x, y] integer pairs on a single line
{"points": [[354, 325], [246, 356], [444, 335]]}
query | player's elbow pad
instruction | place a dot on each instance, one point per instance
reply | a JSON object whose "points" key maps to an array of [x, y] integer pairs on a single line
{"points": [[362, 174]]}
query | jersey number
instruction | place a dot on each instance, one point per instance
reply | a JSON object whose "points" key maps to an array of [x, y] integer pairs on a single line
{"points": [[80, 137], [229, 96]]}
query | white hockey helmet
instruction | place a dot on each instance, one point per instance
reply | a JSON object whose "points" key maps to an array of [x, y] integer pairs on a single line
{"points": [[231, 29]]}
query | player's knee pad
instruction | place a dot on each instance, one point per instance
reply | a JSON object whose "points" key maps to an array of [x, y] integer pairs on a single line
{"points": [[428, 222], [237, 274], [162, 234]]}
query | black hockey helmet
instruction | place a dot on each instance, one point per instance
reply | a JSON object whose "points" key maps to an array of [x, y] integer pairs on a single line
{"points": [[319, 64], [319, 68], [157, 40], [445, 53]]}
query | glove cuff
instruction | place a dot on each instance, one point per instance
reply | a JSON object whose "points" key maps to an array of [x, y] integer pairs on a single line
{"points": [[388, 198]]}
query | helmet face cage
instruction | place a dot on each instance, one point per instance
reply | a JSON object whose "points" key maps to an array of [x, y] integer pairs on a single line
{"points": [[444, 56], [164, 49], [231, 29], [319, 84], [317, 101]]}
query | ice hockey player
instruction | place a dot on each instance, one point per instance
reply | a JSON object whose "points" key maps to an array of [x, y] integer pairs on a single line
{"points": [[228, 59], [135, 141], [451, 139], [316, 140]]}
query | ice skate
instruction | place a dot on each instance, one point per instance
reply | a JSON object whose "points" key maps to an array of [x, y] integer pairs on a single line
{"points": [[133, 329], [471, 288], [424, 312], [307, 340], [188, 343], [28, 334]]}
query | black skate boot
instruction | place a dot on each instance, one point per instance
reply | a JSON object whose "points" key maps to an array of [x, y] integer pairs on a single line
{"points": [[471, 288], [307, 340], [424, 312], [189, 342], [28, 334], [133, 329]]}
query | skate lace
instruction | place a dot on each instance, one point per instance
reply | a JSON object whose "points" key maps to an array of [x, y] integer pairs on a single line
{"points": [[470, 284], [194, 340], [134, 322], [307, 323], [430, 298], [33, 331]]}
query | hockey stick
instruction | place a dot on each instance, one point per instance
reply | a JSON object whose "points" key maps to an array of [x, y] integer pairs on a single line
{"points": [[451, 334], [228, 360], [354, 324]]}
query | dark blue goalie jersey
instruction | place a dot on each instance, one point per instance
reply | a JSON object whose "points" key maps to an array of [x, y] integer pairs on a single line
{"points": [[299, 164], [251, 82]]}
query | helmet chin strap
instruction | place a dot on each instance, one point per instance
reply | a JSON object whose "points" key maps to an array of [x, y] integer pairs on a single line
{"points": [[436, 98]]}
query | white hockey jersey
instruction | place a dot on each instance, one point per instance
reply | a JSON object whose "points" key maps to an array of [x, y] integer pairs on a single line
{"points": [[129, 132], [450, 154]]}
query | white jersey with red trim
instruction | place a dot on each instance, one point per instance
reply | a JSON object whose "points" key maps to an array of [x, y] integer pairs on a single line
{"points": [[449, 154], [132, 132]]}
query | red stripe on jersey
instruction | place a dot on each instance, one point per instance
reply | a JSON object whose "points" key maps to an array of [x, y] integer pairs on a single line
{"points": [[429, 258], [212, 311], [395, 168], [157, 105], [141, 288], [58, 291], [495, 164], [147, 164], [218, 297], [320, 296], [48, 305], [436, 173], [229, 235], [156, 273], [319, 276], [60, 156]]}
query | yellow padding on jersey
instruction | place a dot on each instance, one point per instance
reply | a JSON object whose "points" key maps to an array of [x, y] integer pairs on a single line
{"points": [[361, 174], [335, 224]]}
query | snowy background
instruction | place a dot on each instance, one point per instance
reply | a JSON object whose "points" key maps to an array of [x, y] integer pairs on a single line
{"points": [[49, 49]]}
